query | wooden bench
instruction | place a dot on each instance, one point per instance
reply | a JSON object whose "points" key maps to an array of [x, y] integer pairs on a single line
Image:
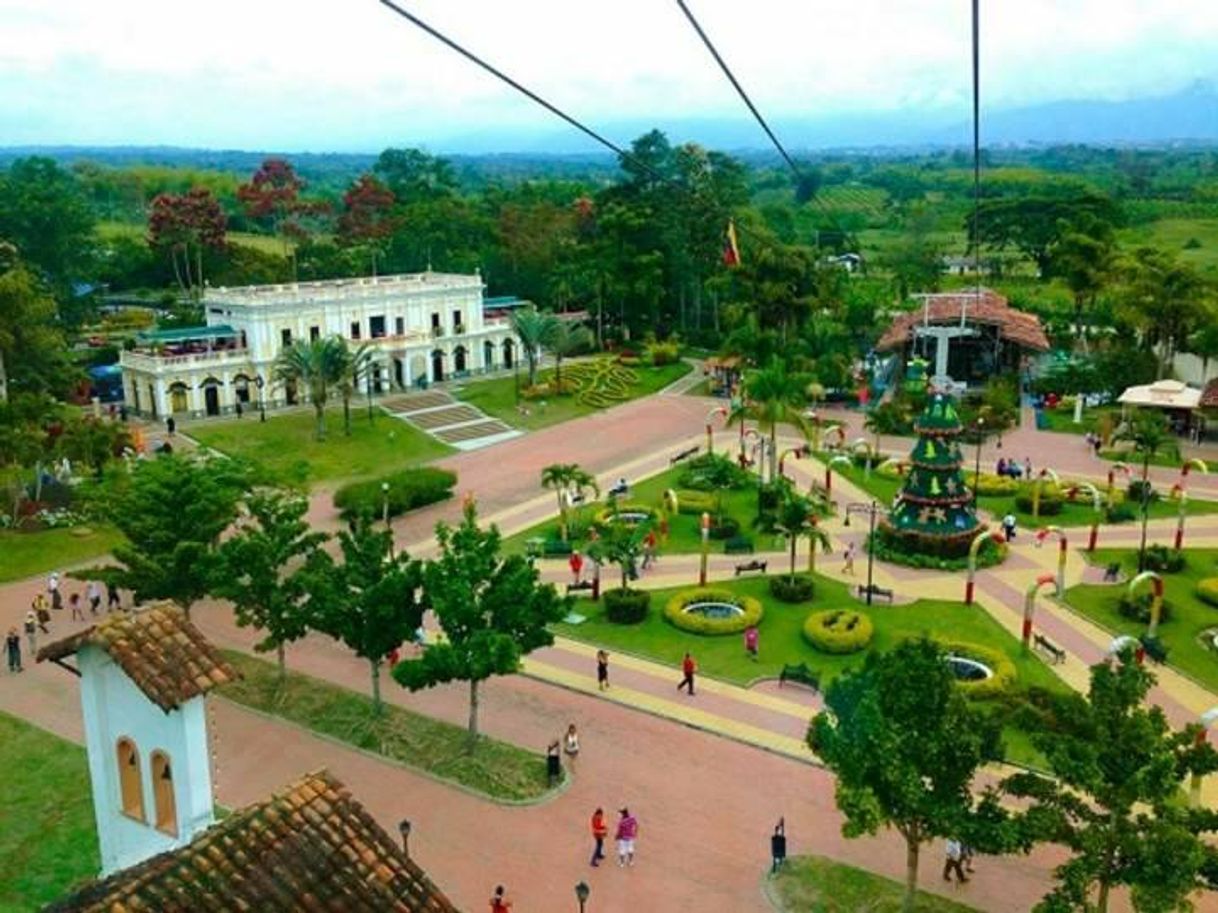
{"points": [[582, 586], [877, 592], [756, 565], [683, 455], [1056, 653], [800, 673]]}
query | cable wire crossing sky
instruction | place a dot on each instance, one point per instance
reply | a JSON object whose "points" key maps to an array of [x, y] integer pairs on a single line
{"points": [[349, 75]]}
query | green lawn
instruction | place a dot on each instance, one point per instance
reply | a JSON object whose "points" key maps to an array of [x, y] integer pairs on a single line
{"points": [[265, 243], [1167, 458], [782, 642], [498, 397], [1191, 616], [48, 842], [1061, 419], [1174, 234], [26, 554], [1077, 513], [285, 443], [684, 535], [814, 884], [494, 768]]}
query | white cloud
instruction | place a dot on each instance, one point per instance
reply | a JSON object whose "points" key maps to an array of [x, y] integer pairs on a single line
{"points": [[349, 73]]}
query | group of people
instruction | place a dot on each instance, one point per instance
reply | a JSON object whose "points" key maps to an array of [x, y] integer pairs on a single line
{"points": [[568, 745], [1011, 468], [46, 604], [625, 835]]}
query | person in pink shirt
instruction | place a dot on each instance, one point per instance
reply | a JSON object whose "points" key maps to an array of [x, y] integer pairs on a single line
{"points": [[751, 638], [627, 833]]}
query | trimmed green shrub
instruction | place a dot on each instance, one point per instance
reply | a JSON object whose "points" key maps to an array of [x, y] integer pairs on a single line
{"points": [[1000, 664], [724, 527], [408, 489], [1137, 608], [738, 544], [991, 485], [769, 497], [663, 353], [900, 548], [792, 589], [692, 501], [1164, 560], [1207, 590], [626, 607], [1050, 501], [1120, 513], [553, 548], [751, 611], [711, 471], [839, 631], [1133, 493]]}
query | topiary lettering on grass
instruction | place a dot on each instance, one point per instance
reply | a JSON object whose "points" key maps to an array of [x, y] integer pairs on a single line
{"points": [[408, 489], [839, 631]]}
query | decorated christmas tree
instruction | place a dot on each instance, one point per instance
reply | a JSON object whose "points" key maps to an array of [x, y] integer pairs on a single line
{"points": [[933, 514]]}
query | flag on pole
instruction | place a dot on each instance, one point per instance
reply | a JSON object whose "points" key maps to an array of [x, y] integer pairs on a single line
{"points": [[731, 252]]}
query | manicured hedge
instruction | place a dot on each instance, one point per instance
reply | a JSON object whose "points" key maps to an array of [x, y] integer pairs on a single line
{"points": [[712, 470], [626, 607], [408, 489], [993, 485], [792, 589], [700, 624], [839, 631], [724, 528], [1207, 590], [692, 501], [1050, 501], [914, 550], [1000, 664]]}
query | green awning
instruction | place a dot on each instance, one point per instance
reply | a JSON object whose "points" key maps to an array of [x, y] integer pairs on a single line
{"points": [[189, 334]]}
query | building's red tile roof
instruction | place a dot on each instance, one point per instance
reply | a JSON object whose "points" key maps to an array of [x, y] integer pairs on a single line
{"points": [[166, 656], [311, 848], [989, 308]]}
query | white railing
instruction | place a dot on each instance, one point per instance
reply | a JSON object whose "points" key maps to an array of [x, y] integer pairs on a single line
{"points": [[149, 361]]}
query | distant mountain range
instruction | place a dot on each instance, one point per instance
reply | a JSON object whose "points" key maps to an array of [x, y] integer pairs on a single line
{"points": [[1186, 116]]}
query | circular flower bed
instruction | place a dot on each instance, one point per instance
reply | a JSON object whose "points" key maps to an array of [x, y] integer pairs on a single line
{"points": [[900, 549], [1000, 665], [629, 514], [704, 610], [839, 631]]}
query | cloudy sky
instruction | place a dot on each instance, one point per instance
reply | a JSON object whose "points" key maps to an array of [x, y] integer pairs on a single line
{"points": [[349, 75]]}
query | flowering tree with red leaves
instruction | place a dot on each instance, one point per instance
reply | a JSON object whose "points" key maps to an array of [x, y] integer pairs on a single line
{"points": [[273, 195], [184, 225], [367, 217]]}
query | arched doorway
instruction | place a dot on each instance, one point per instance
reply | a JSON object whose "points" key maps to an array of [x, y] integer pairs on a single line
{"points": [[488, 356], [241, 388], [211, 396], [459, 360], [509, 353], [418, 370], [437, 365], [178, 398], [289, 392]]}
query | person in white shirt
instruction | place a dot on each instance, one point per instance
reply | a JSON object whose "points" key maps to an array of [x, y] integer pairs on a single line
{"points": [[953, 861]]}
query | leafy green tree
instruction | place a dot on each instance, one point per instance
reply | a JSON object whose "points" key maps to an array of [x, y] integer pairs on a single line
{"points": [[620, 544], [171, 512], [1164, 298], [566, 479], [535, 330], [33, 351], [566, 339], [1113, 799], [774, 396], [886, 418], [492, 609], [413, 176], [1035, 222], [915, 259], [46, 214], [905, 746], [1204, 342], [1149, 433], [317, 365], [1084, 257], [92, 441], [372, 601], [262, 569]]}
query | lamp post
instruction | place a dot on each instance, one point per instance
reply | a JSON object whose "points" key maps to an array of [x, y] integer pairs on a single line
{"points": [[977, 467], [404, 830], [260, 383], [385, 514], [581, 894], [872, 510]]}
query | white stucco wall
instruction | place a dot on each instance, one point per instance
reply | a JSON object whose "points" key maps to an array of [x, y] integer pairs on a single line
{"points": [[113, 707]]}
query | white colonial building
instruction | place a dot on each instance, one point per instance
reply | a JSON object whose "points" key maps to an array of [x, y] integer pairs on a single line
{"points": [[422, 328]]}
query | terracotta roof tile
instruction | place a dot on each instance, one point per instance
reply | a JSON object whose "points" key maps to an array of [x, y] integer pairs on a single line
{"points": [[166, 656], [990, 308], [312, 847]]}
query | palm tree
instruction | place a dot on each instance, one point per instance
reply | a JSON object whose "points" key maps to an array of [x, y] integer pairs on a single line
{"points": [[314, 364], [566, 339], [351, 365], [534, 330], [884, 418], [773, 396], [796, 519], [1148, 433], [565, 479]]}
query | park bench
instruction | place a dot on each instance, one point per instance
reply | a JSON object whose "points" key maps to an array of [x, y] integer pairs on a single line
{"points": [[1155, 649], [1056, 653], [877, 592], [799, 672], [738, 545], [582, 586], [755, 565], [683, 455]]}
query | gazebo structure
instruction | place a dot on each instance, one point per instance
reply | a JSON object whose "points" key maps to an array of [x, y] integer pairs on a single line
{"points": [[1178, 401], [969, 335]]}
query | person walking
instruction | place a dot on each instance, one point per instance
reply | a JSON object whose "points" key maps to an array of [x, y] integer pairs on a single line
{"points": [[848, 559], [499, 901], [113, 600], [553, 763], [1008, 527], [952, 861], [74, 603], [600, 830], [31, 632], [39, 605], [570, 744], [576, 563], [778, 846], [688, 668], [649, 549], [602, 670], [751, 638], [54, 592], [1027, 468], [627, 834], [93, 590], [12, 646]]}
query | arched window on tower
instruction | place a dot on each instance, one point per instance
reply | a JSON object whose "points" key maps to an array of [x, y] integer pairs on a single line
{"points": [[162, 792], [130, 791]]}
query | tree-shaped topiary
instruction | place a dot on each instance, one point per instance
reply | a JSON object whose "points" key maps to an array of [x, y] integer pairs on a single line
{"points": [[933, 514]]}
